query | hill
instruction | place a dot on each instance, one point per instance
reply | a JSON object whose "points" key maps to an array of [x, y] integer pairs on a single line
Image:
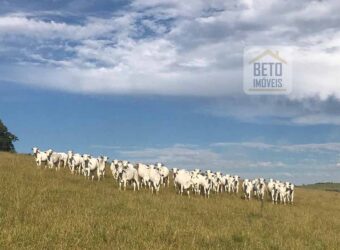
{"points": [[45, 209], [327, 186]]}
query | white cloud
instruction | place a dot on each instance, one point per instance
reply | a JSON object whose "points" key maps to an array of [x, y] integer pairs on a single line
{"points": [[32, 26], [175, 48], [311, 147], [317, 119], [280, 110], [208, 40], [267, 164]]}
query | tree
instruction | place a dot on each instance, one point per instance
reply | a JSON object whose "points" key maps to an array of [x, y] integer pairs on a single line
{"points": [[6, 139]]}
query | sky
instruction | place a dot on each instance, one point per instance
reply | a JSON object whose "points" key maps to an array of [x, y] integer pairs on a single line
{"points": [[151, 80]]}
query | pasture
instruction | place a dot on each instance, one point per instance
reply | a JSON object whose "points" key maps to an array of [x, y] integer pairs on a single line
{"points": [[45, 209]]}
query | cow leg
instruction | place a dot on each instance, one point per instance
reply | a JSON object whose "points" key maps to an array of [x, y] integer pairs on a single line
{"points": [[292, 197]]}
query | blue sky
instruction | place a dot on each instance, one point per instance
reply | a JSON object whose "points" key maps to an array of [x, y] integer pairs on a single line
{"points": [[162, 81]]}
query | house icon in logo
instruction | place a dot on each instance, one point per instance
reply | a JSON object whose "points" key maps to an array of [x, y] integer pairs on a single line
{"points": [[270, 53]]}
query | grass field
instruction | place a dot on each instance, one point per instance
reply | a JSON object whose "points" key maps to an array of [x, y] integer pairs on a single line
{"points": [[45, 209]]}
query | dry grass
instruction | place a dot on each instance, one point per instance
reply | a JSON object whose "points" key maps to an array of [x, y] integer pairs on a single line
{"points": [[42, 208]]}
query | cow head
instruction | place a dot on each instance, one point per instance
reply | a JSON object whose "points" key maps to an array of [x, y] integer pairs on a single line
{"points": [[86, 157], [35, 150]]}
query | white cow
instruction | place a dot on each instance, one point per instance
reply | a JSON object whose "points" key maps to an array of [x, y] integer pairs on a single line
{"points": [[223, 183], [101, 166], [247, 188], [128, 174], [40, 157], [261, 187], [53, 159], [183, 181], [255, 183], [94, 165], [63, 159], [144, 174], [76, 162], [201, 183], [284, 192], [281, 193], [164, 172], [174, 174], [271, 190], [155, 180], [245, 181], [235, 184], [229, 183], [290, 192], [114, 167], [214, 182]]}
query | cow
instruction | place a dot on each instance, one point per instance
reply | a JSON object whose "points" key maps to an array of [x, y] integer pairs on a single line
{"points": [[183, 181], [101, 166], [247, 188], [201, 183], [144, 174], [235, 184], [113, 167], [271, 190], [155, 180], [63, 160], [76, 162], [129, 173], [289, 192], [174, 174], [229, 183], [261, 187], [40, 157], [53, 159], [281, 193], [164, 172], [245, 181]]}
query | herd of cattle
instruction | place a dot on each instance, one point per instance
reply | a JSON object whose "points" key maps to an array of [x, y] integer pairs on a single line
{"points": [[154, 176]]}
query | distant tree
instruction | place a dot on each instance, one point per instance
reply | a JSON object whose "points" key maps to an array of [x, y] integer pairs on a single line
{"points": [[6, 139]]}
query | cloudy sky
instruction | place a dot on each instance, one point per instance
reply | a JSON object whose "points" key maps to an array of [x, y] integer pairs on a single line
{"points": [[150, 80]]}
